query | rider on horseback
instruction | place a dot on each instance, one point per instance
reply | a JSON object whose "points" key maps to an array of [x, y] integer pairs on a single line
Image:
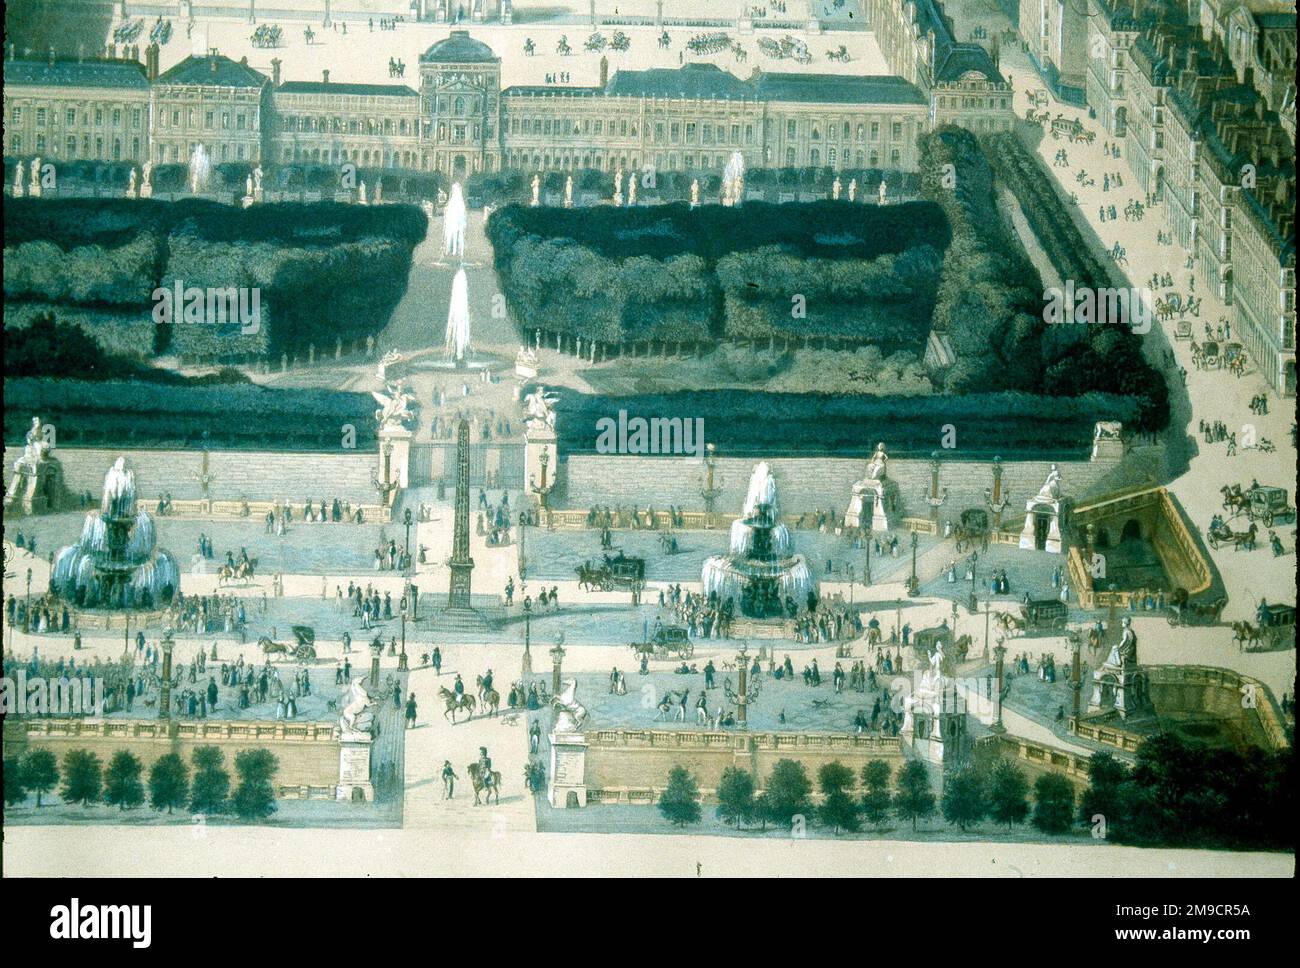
{"points": [[485, 765]]}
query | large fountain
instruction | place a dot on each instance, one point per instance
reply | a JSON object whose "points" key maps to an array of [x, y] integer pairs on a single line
{"points": [[114, 565], [733, 180], [761, 574], [457, 338]]}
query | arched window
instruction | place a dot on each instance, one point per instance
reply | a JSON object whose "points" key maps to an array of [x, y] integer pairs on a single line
{"points": [[460, 106]]}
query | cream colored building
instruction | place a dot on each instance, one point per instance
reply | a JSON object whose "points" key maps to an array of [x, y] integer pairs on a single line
{"points": [[209, 100]]}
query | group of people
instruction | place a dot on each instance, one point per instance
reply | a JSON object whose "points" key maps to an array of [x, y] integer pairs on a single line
{"points": [[605, 518], [279, 518]]}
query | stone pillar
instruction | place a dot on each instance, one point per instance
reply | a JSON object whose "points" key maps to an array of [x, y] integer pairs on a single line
{"points": [[557, 658], [165, 694], [541, 459], [568, 769], [1000, 651], [395, 457], [354, 766]]}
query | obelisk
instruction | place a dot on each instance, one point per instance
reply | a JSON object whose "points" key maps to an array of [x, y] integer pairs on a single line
{"points": [[461, 564]]}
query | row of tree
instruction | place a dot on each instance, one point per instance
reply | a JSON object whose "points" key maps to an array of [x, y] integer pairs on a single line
{"points": [[997, 790], [168, 785]]}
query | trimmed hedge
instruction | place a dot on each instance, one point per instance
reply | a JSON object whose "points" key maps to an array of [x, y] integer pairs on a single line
{"points": [[110, 255]]}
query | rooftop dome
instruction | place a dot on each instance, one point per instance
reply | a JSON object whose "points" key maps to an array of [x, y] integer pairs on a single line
{"points": [[459, 48]]}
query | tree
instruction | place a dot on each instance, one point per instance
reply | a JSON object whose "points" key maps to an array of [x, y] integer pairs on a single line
{"points": [[736, 796], [122, 786], [255, 797], [1008, 794], [788, 793], [839, 810], [15, 792], [211, 787], [82, 777], [1103, 797], [169, 783], [964, 799], [40, 772], [1054, 803], [913, 798], [875, 802], [680, 801]]}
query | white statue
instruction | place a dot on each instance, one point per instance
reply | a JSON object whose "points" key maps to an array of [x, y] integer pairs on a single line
{"points": [[537, 190], [257, 182], [883, 191], [248, 187], [379, 189], [34, 186], [618, 187], [361, 194], [1051, 489], [853, 189], [1124, 653], [695, 193], [356, 716], [394, 410], [569, 713], [391, 358], [835, 189], [146, 180], [876, 467], [631, 191], [18, 181], [130, 185], [568, 192], [539, 404], [36, 447]]}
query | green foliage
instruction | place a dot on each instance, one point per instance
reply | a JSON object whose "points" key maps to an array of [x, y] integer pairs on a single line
{"points": [[736, 796], [254, 798], [1053, 804], [680, 800], [913, 798], [210, 790], [1008, 793], [839, 809], [122, 786], [788, 793], [965, 800], [40, 772], [15, 792], [1106, 774], [876, 800], [82, 777], [169, 783]]}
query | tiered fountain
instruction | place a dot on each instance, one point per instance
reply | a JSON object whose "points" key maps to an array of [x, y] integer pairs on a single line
{"points": [[761, 575], [113, 565]]}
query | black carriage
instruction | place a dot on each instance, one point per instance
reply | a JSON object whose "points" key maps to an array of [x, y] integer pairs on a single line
{"points": [[1047, 613], [1269, 504], [669, 642], [1276, 627]]}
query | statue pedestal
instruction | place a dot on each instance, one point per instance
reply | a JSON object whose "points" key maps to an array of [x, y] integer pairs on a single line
{"points": [[34, 488], [566, 783], [1119, 689], [1107, 441], [399, 456], [354, 768], [540, 438], [874, 504], [1042, 507]]}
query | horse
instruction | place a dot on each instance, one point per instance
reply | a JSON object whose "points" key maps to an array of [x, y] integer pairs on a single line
{"points": [[487, 786], [1233, 499], [1008, 623], [270, 648], [489, 697], [589, 578], [1245, 634], [243, 571], [1245, 539], [456, 704]]}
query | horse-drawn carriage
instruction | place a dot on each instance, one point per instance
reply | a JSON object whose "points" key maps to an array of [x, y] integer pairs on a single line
{"points": [[1181, 610], [1222, 535], [1269, 504], [972, 528], [939, 638], [1276, 627], [669, 642], [617, 571], [1046, 613], [1071, 129], [1211, 357], [303, 651]]}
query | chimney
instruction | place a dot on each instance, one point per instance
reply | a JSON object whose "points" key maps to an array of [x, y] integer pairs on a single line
{"points": [[212, 64], [325, 76], [275, 71], [604, 71]]}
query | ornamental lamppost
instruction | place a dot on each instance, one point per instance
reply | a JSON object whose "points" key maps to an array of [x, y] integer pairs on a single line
{"points": [[711, 490], [387, 486], [913, 586], [1000, 651], [406, 519], [557, 657], [405, 606], [528, 654], [747, 689], [866, 568]]}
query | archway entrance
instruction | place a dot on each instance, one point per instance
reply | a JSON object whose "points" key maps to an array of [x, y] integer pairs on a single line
{"points": [[458, 167], [1042, 525]]}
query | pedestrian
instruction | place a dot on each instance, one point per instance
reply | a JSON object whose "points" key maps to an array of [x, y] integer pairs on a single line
{"points": [[410, 711]]}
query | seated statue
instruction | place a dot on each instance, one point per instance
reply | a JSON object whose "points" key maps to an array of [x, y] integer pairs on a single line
{"points": [[1051, 489], [876, 470]]}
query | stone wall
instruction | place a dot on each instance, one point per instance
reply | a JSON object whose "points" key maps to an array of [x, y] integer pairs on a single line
{"points": [[308, 753], [632, 765], [235, 475], [809, 484]]}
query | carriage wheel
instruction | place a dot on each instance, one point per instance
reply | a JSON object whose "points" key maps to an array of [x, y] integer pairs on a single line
{"points": [[689, 650], [1268, 519]]}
